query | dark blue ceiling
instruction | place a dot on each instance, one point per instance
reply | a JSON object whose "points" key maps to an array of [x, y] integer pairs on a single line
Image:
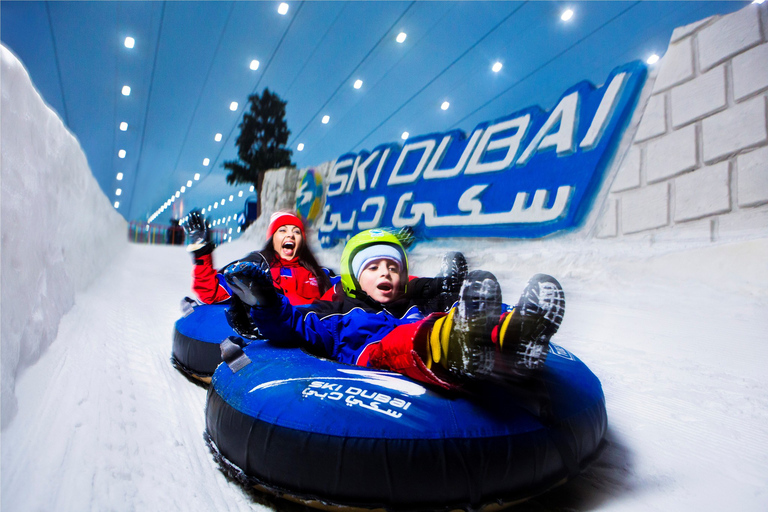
{"points": [[191, 60]]}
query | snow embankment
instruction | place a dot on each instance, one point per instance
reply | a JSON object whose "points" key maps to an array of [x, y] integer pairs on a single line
{"points": [[59, 230]]}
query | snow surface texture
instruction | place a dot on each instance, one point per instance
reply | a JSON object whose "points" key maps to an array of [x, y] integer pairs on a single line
{"points": [[676, 334], [50, 249]]}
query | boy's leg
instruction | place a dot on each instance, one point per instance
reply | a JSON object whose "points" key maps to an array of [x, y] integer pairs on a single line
{"points": [[404, 350], [475, 341], [461, 342]]}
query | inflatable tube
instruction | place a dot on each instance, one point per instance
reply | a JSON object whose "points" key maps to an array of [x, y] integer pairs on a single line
{"points": [[196, 339], [327, 433]]}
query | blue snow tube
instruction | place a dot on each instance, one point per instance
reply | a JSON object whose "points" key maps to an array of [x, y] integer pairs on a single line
{"points": [[327, 433], [196, 339]]}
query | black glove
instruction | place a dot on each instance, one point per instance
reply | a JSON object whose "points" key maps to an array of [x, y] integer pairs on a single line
{"points": [[239, 318], [195, 228], [251, 282]]}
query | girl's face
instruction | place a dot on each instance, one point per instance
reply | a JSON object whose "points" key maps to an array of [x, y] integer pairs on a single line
{"points": [[380, 279], [286, 241]]}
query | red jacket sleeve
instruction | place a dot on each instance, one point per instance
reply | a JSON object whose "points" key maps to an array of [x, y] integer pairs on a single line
{"points": [[205, 282]]}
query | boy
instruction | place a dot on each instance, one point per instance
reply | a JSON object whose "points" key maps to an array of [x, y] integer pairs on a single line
{"points": [[384, 320]]}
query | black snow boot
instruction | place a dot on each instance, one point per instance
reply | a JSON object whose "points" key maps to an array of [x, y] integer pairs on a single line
{"points": [[461, 341], [523, 334], [453, 272]]}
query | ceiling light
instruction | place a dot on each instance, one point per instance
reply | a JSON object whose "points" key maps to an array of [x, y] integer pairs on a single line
{"points": [[223, 201], [254, 64], [118, 191], [326, 119], [566, 15], [445, 105], [177, 194], [282, 8], [300, 147], [240, 194], [123, 126], [252, 188], [215, 205], [126, 90], [401, 37], [217, 138], [358, 84], [653, 59], [121, 153], [233, 106], [129, 42], [119, 176], [405, 135], [117, 204], [206, 161], [183, 189], [189, 183], [231, 198], [197, 176], [497, 67]]}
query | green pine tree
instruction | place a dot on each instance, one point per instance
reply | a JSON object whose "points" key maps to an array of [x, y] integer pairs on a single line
{"points": [[261, 145]]}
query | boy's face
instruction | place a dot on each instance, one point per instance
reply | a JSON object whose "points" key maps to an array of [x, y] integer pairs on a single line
{"points": [[286, 241], [380, 279]]}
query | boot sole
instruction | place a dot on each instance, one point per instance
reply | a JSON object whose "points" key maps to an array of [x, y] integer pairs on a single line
{"points": [[478, 313], [540, 313]]}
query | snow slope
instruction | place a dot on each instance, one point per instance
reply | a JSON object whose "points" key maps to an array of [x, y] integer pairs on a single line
{"points": [[677, 336], [105, 422]]}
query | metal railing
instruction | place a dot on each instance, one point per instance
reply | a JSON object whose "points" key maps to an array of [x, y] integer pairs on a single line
{"points": [[149, 233]]}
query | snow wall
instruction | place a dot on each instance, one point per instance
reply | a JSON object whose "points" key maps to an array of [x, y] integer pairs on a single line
{"points": [[48, 252], [690, 171]]}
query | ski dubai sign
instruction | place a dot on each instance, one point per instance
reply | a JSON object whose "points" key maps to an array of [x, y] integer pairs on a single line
{"points": [[526, 175]]}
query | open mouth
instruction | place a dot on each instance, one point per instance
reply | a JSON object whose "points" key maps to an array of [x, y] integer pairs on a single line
{"points": [[385, 287], [289, 244]]}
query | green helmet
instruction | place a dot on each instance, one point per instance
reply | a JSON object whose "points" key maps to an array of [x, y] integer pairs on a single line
{"points": [[361, 242]]}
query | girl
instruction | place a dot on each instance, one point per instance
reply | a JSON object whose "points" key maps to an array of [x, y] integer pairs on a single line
{"points": [[294, 270]]}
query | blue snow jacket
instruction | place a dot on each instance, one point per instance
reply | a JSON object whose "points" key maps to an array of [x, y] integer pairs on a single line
{"points": [[341, 330]]}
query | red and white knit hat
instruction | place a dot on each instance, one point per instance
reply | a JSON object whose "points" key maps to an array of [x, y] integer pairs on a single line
{"points": [[281, 219]]}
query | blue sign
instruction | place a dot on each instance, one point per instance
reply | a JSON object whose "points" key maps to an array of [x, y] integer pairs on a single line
{"points": [[526, 175]]}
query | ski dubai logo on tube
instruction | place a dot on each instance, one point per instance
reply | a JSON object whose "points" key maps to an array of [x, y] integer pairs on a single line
{"points": [[526, 175]]}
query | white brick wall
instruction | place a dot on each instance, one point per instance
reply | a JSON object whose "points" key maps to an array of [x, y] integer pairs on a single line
{"points": [[752, 177], [671, 154], [750, 72], [740, 127], [698, 97], [654, 120], [697, 168], [629, 172], [645, 208], [676, 65], [728, 36], [702, 193]]}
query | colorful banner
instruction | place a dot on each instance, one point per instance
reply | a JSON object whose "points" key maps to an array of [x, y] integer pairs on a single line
{"points": [[526, 175]]}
